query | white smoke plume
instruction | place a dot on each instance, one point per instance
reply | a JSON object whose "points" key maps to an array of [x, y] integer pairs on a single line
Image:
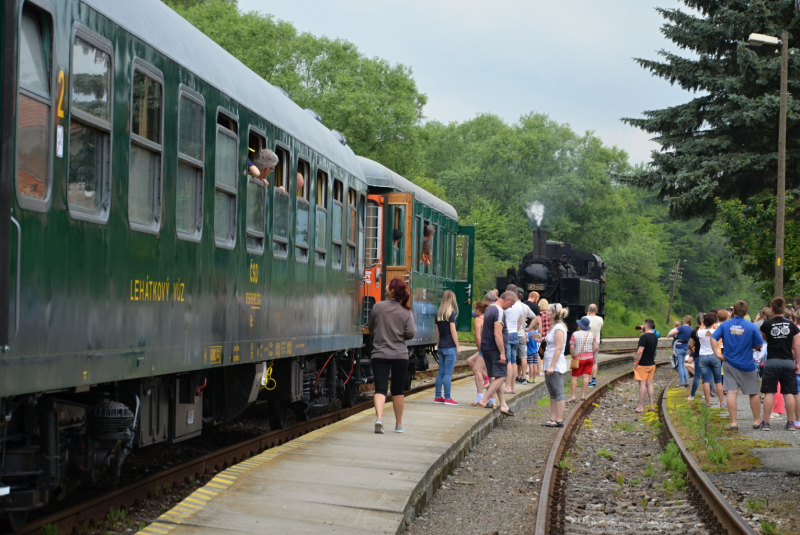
{"points": [[536, 212]]}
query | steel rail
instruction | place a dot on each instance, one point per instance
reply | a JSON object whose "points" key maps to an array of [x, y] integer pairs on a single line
{"points": [[727, 515], [547, 508], [126, 497]]}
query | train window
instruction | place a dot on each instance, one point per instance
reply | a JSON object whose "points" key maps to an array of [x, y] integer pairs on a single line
{"points": [[362, 201], [34, 137], [256, 219], [144, 178], [225, 178], [88, 175], [428, 232], [337, 221], [280, 206], [189, 184], [256, 142], [321, 231], [398, 226], [462, 253], [301, 221], [437, 247], [352, 199], [415, 244], [255, 214], [373, 242]]}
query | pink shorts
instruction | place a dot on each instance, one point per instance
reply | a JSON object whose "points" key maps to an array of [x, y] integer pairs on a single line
{"points": [[585, 367]]}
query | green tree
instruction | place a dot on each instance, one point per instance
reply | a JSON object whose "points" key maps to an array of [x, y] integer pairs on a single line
{"points": [[723, 142], [750, 230]]}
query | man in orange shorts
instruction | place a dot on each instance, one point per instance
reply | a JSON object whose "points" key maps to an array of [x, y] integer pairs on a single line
{"points": [[644, 366]]}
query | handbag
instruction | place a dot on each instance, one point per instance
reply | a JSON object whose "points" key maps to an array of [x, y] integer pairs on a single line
{"points": [[576, 360]]}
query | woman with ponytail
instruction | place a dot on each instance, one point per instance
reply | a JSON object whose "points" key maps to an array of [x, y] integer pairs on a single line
{"points": [[390, 325], [554, 363], [446, 346]]}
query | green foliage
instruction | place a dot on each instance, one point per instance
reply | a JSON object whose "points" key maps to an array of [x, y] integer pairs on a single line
{"points": [[50, 529], [671, 459], [754, 506], [605, 453], [769, 528], [117, 515], [750, 230], [723, 142], [627, 427], [650, 471]]}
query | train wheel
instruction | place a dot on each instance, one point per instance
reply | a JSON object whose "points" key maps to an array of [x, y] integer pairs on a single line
{"points": [[302, 411], [13, 521], [277, 410], [349, 394]]}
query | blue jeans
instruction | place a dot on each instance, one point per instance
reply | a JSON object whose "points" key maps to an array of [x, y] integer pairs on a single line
{"points": [[447, 361], [511, 348], [683, 375]]}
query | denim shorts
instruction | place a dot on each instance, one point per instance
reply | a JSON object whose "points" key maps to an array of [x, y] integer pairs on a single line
{"points": [[511, 348], [710, 369]]}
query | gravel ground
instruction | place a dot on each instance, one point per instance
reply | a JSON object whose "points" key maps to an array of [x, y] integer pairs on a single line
{"points": [[763, 496], [496, 488], [614, 478]]}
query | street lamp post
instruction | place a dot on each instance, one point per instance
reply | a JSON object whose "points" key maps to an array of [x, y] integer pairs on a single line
{"points": [[758, 40]]}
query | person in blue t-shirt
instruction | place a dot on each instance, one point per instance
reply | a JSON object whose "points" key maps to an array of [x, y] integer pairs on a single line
{"points": [[740, 338], [682, 334]]}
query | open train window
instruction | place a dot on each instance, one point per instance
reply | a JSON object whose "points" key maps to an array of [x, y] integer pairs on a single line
{"points": [[428, 239], [89, 174], [144, 178], [34, 134], [337, 224], [321, 230], [191, 152], [225, 181], [280, 205], [397, 223], [362, 207], [417, 264], [303, 208], [255, 214], [352, 229], [373, 242]]}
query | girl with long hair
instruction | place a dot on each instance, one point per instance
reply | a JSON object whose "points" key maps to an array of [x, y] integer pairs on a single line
{"points": [[447, 346], [390, 324]]}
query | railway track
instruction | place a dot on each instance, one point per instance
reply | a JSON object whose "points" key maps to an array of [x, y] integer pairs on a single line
{"points": [[613, 470], [202, 468]]}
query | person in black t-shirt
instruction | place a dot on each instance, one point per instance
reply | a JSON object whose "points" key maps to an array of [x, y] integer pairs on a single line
{"points": [[781, 335], [644, 366], [532, 302]]}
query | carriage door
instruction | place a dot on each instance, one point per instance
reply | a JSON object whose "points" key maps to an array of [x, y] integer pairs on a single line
{"points": [[398, 251], [465, 260]]}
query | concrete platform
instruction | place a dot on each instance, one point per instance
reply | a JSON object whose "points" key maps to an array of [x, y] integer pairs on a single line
{"points": [[344, 478]]}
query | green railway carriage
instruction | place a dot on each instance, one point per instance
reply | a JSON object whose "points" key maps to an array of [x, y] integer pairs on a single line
{"points": [[395, 202], [148, 286]]}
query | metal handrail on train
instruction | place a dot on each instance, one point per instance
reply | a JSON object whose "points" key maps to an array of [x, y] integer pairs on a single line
{"points": [[19, 278]]}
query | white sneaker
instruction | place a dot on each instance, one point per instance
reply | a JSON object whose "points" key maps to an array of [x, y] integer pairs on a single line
{"points": [[379, 427], [399, 429]]}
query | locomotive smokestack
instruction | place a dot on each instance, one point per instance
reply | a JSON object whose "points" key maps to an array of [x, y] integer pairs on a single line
{"points": [[540, 243]]}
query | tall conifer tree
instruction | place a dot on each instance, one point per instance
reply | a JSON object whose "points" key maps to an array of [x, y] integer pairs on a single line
{"points": [[723, 143]]}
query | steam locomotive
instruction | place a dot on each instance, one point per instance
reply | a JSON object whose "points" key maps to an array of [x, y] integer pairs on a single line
{"points": [[560, 274]]}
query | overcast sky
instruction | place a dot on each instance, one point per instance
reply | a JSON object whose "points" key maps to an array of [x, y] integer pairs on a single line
{"points": [[570, 59]]}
